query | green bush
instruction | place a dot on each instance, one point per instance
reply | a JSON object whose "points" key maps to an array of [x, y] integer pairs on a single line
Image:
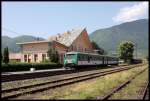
{"points": [[14, 61], [46, 61], [11, 67]]}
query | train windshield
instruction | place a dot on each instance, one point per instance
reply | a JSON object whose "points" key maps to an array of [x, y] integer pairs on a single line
{"points": [[70, 56]]}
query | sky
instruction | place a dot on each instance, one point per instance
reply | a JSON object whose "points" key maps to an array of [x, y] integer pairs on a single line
{"points": [[44, 19]]}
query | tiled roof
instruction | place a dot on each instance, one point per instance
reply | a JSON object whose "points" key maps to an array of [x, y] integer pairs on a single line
{"points": [[32, 42], [68, 37]]}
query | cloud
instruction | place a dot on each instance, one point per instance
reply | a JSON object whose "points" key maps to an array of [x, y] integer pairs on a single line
{"points": [[127, 14]]}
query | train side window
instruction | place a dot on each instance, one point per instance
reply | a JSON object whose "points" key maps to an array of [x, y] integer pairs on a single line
{"points": [[84, 57], [88, 58], [91, 58], [79, 57], [100, 58]]}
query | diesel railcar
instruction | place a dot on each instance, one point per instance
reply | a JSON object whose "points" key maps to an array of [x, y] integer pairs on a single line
{"points": [[79, 59]]}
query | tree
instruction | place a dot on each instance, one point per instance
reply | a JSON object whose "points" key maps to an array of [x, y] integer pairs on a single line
{"points": [[1, 57], [56, 57], [53, 55], [100, 50], [125, 51], [6, 55], [49, 53]]}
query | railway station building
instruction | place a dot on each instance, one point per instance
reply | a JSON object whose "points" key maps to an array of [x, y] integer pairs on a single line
{"points": [[74, 40]]}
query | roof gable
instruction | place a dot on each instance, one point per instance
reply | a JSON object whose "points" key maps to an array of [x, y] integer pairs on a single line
{"points": [[68, 37]]}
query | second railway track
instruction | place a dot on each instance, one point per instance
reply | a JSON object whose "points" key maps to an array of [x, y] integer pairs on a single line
{"points": [[142, 95], [15, 92]]}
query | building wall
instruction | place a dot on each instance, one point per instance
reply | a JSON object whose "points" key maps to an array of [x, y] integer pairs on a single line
{"points": [[35, 47], [82, 43], [32, 49], [61, 51], [15, 57]]}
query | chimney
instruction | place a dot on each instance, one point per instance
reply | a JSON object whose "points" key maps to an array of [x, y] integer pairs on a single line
{"points": [[37, 38], [68, 32], [58, 35]]}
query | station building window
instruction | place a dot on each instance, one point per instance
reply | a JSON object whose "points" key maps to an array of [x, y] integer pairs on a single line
{"points": [[29, 60], [43, 57], [35, 57], [25, 58]]}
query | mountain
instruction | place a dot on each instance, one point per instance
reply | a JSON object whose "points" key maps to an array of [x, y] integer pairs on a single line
{"points": [[135, 31], [11, 42]]}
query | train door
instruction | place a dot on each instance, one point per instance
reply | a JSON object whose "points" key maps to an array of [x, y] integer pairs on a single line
{"points": [[107, 60], [103, 61]]}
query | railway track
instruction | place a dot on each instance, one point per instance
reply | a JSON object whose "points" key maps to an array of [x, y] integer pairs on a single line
{"points": [[31, 75], [30, 89], [144, 92], [122, 85], [147, 94]]}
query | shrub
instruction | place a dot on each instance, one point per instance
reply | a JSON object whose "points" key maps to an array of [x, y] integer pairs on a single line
{"points": [[11, 67], [6, 55], [46, 61]]}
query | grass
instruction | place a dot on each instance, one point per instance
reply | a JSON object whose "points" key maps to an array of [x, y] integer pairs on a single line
{"points": [[131, 90], [91, 88]]}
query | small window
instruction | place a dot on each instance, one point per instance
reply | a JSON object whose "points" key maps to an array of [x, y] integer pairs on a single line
{"points": [[79, 57], [43, 57], [25, 58], [88, 58], [92, 57], [35, 57], [97, 57], [82, 57]]}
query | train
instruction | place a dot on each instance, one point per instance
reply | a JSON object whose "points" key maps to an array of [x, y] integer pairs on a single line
{"points": [[80, 59]]}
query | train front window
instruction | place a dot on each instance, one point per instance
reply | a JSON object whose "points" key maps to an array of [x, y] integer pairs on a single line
{"points": [[70, 56]]}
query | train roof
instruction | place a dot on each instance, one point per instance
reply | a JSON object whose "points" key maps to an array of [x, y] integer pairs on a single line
{"points": [[88, 53]]}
